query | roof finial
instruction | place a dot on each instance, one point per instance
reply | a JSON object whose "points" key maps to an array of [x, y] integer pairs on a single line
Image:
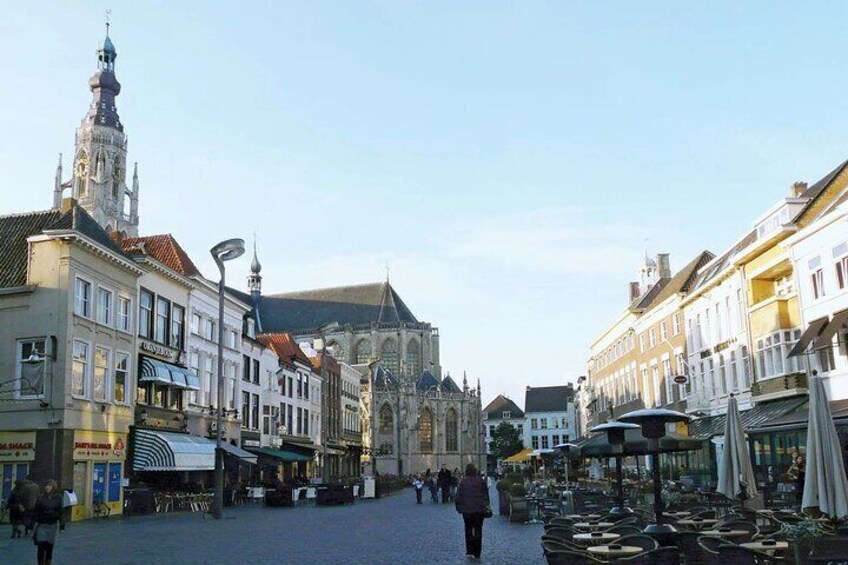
{"points": [[255, 266], [108, 21], [388, 270]]}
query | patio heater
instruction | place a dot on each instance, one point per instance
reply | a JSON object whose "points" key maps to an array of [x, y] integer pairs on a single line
{"points": [[615, 436], [653, 422], [566, 499]]}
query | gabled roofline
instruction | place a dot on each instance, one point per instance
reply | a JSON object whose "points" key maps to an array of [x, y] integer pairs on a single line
{"points": [[85, 241]]}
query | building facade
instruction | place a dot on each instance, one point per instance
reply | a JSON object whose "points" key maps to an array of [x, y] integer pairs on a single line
{"points": [[502, 410], [549, 416]]}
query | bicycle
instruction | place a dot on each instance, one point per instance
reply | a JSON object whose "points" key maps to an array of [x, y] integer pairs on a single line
{"points": [[4, 512], [100, 508]]}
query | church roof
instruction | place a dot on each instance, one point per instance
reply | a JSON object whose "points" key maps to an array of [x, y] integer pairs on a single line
{"points": [[165, 249], [448, 385], [284, 347], [383, 378], [548, 398], [501, 404], [355, 305], [427, 381], [16, 228]]}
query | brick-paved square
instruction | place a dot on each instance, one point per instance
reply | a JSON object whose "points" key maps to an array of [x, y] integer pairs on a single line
{"points": [[392, 530]]}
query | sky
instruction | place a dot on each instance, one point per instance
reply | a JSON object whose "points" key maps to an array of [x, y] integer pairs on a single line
{"points": [[510, 161]]}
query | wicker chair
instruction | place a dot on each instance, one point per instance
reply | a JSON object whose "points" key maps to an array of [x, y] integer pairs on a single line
{"points": [[739, 555], [729, 519], [659, 556], [566, 534], [706, 514], [752, 529], [691, 551], [647, 543], [560, 521], [623, 530], [629, 521], [711, 544], [564, 557], [549, 542]]}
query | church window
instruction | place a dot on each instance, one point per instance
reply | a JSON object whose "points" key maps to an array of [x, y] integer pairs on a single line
{"points": [[362, 353], [117, 178], [413, 358], [451, 425], [389, 355], [81, 173], [425, 430], [386, 419]]}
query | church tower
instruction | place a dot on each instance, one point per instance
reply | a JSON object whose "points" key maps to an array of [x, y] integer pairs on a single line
{"points": [[100, 154]]}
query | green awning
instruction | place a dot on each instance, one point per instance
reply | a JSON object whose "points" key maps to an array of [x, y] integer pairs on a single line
{"points": [[281, 454], [705, 428]]}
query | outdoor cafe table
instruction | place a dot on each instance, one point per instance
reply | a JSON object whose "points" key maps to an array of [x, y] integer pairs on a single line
{"points": [[679, 514], [584, 516], [595, 538], [768, 548], [593, 525], [698, 523], [725, 533], [614, 550]]}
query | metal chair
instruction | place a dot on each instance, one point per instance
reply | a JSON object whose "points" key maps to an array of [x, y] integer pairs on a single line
{"points": [[554, 544], [660, 556], [564, 557], [712, 544], [693, 553], [623, 530], [566, 534], [739, 555], [647, 543]]}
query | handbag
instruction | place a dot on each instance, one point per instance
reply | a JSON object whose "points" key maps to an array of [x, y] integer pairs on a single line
{"points": [[35, 535], [487, 513]]}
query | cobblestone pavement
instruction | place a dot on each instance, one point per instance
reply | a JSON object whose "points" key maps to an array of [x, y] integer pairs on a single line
{"points": [[393, 530]]}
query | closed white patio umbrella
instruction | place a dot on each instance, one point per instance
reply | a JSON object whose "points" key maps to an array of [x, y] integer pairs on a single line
{"points": [[825, 486], [735, 468]]}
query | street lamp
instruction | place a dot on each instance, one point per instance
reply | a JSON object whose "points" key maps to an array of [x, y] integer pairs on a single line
{"points": [[224, 251]]}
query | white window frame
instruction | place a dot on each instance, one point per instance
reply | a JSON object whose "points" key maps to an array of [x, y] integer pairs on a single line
{"points": [[86, 381], [817, 287], [669, 381], [127, 401], [84, 302], [663, 331], [840, 263], [19, 349], [124, 322], [675, 324], [104, 314], [106, 377]]}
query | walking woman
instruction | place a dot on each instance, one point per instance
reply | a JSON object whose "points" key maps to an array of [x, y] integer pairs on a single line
{"points": [[48, 514], [472, 501], [15, 504]]}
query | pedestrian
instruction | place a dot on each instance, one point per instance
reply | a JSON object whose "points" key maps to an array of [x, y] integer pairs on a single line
{"points": [[29, 495], [15, 504], [48, 514], [434, 491], [419, 487], [444, 482], [454, 483], [472, 501]]}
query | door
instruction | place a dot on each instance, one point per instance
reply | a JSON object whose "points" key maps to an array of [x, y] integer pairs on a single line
{"points": [[98, 482], [114, 482]]}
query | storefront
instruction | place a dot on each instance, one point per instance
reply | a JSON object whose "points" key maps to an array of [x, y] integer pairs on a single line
{"points": [[98, 471], [17, 454]]}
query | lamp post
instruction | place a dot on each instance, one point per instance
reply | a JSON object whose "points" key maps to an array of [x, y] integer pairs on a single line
{"points": [[653, 421], [615, 436], [224, 251]]}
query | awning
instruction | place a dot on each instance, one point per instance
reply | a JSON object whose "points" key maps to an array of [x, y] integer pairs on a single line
{"points": [[332, 451], [281, 454], [798, 419], [305, 445], [171, 451], [809, 335], [825, 338], [154, 370], [520, 457], [710, 426], [236, 451]]}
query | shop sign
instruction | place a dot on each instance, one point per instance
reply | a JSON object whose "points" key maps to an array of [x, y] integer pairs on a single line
{"points": [[99, 445], [681, 379], [159, 350], [17, 446], [250, 443]]}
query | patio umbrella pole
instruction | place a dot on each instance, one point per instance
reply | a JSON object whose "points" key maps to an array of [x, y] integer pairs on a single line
{"points": [[655, 471]]}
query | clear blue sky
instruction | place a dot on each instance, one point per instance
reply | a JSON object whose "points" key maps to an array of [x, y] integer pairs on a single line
{"points": [[508, 159]]}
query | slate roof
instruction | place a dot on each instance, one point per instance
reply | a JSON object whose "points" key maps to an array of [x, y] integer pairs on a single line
{"points": [[816, 189], [548, 398], [501, 404], [383, 378], [644, 302], [683, 279], [448, 385], [706, 275], [284, 347], [355, 305], [427, 382], [16, 228], [165, 249]]}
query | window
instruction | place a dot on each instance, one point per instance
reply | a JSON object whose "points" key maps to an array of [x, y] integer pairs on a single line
{"points": [[641, 343], [145, 314], [655, 376], [520, 429], [82, 298], [386, 420], [746, 376], [816, 277], [772, 354], [545, 444], [234, 339], [699, 333], [256, 373], [195, 324], [664, 331], [711, 375], [534, 442], [305, 422], [306, 386], [840, 256], [506, 415], [389, 355], [163, 309], [543, 423], [708, 334], [728, 312], [31, 376], [740, 306], [718, 322], [194, 365], [177, 317], [826, 359], [101, 373], [733, 373], [722, 376], [104, 306], [124, 314], [669, 381], [254, 413], [451, 431], [652, 337], [299, 420], [211, 330], [79, 383], [245, 409], [534, 424], [291, 387], [245, 374], [555, 440], [208, 362], [675, 324]]}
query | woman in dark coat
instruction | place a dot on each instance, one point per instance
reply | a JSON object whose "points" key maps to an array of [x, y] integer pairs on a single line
{"points": [[48, 515], [472, 501], [15, 504]]}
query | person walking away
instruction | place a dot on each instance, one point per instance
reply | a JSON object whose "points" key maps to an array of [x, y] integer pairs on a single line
{"points": [[15, 504], [472, 501], [454, 482], [434, 491], [48, 516], [29, 494], [445, 482], [419, 487]]}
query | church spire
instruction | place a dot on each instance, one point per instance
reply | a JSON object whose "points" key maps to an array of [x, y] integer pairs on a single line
{"points": [[105, 87], [57, 185], [254, 279]]}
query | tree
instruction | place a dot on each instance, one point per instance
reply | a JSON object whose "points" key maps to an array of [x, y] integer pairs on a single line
{"points": [[505, 441]]}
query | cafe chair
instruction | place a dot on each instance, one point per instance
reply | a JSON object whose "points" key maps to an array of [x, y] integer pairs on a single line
{"points": [[566, 534], [552, 544], [629, 521], [706, 514], [739, 555], [647, 543], [623, 530], [752, 529], [564, 557], [687, 543], [711, 544], [560, 521], [660, 556]]}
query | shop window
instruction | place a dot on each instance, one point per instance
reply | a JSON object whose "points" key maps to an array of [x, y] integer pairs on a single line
{"points": [[98, 482], [12, 472]]}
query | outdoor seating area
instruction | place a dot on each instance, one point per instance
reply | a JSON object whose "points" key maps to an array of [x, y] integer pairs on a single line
{"points": [[182, 502]]}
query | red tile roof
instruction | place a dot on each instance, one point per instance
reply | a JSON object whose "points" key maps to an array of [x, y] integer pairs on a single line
{"points": [[164, 248], [284, 346]]}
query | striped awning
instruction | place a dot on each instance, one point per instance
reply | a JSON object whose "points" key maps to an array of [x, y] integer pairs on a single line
{"points": [[154, 370], [171, 451]]}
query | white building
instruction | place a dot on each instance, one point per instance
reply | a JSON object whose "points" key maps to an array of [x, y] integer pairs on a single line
{"points": [[549, 416], [501, 410]]}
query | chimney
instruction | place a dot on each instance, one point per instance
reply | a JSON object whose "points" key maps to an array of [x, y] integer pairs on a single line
{"points": [[797, 189], [663, 266], [117, 237], [529, 387], [634, 291], [67, 204]]}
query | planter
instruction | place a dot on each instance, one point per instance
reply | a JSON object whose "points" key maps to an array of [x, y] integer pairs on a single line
{"points": [[503, 503], [518, 511]]}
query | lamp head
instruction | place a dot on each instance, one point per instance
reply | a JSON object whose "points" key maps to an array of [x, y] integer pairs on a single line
{"points": [[228, 250]]}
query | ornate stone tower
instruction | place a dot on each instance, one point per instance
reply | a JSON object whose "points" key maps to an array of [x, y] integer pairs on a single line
{"points": [[100, 154]]}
